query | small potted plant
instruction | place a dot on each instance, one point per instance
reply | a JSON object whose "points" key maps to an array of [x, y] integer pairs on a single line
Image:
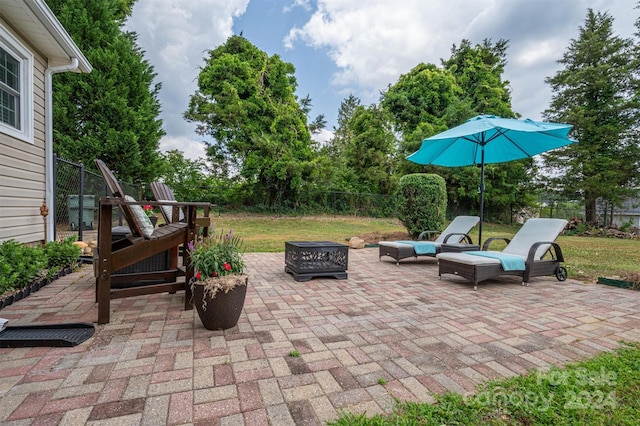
{"points": [[148, 210], [219, 285]]}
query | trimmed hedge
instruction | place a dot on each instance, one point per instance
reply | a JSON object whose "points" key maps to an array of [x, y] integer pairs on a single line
{"points": [[422, 203]]}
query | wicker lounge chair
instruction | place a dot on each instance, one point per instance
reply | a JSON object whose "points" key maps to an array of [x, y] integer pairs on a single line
{"points": [[456, 232], [533, 246]]}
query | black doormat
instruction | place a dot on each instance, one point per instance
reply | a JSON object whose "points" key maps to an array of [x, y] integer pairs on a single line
{"points": [[59, 335]]}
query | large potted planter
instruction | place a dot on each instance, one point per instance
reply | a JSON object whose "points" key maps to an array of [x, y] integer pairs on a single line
{"points": [[219, 286]]}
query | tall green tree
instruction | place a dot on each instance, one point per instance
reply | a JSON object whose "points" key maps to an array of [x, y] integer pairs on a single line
{"points": [[369, 154], [246, 102], [420, 103], [189, 179], [478, 71], [342, 133], [111, 113], [339, 177], [593, 91]]}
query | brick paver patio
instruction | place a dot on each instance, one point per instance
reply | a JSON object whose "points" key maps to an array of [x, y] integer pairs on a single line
{"points": [[156, 364]]}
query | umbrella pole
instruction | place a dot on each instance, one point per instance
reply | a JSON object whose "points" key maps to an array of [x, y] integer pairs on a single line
{"points": [[481, 197]]}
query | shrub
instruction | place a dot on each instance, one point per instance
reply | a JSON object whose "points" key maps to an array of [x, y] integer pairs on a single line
{"points": [[422, 203], [20, 264], [61, 254]]}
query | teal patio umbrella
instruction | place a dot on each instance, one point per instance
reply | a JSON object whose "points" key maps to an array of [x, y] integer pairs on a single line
{"points": [[488, 139]]}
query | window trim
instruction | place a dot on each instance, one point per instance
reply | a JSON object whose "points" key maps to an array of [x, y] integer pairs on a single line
{"points": [[26, 60]]}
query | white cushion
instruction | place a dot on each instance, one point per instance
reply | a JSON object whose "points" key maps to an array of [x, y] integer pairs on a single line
{"points": [[468, 259], [533, 231], [394, 244], [168, 210], [459, 225], [141, 217]]}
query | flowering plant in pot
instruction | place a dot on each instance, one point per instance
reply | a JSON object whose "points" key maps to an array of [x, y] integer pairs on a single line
{"points": [[148, 210], [219, 284]]}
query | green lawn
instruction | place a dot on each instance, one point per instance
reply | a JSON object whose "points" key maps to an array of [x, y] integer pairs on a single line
{"points": [[587, 258]]}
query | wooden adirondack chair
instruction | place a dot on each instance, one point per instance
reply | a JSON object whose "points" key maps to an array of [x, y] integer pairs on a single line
{"points": [[135, 247], [172, 213]]}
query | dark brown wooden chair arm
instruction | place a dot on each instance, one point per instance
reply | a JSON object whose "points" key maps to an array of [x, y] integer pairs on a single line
{"points": [[115, 201]]}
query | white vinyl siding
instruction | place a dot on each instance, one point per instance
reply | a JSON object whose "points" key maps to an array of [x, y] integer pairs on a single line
{"points": [[22, 169]]}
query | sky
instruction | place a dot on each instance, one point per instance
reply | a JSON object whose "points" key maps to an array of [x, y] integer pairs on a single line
{"points": [[359, 47]]}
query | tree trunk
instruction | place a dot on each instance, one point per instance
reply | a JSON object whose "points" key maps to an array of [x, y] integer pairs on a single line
{"points": [[590, 210]]}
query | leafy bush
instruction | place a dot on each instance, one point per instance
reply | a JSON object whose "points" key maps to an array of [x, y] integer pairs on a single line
{"points": [[625, 227], [422, 202], [61, 254], [20, 264]]}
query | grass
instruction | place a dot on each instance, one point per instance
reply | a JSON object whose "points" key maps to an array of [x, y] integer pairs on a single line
{"points": [[587, 258], [262, 233]]}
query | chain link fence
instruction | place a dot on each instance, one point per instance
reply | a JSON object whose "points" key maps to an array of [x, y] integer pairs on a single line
{"points": [[77, 192]]}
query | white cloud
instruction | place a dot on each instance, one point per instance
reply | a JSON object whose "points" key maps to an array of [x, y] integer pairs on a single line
{"points": [[190, 148], [175, 36], [305, 4], [370, 42], [374, 42], [323, 136], [533, 53]]}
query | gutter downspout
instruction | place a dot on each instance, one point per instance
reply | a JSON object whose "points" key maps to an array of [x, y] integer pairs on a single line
{"points": [[48, 141]]}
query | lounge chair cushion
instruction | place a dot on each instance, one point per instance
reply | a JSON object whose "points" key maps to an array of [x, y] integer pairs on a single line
{"points": [[168, 210], [459, 225], [141, 217], [532, 231], [395, 244], [468, 259]]}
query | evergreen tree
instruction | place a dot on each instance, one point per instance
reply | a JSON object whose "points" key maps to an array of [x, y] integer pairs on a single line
{"points": [[342, 134], [337, 176], [369, 153], [478, 71], [420, 102], [111, 113], [594, 92], [246, 102]]}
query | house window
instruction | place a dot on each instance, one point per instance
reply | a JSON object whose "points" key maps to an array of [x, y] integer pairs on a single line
{"points": [[9, 89], [16, 88]]}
